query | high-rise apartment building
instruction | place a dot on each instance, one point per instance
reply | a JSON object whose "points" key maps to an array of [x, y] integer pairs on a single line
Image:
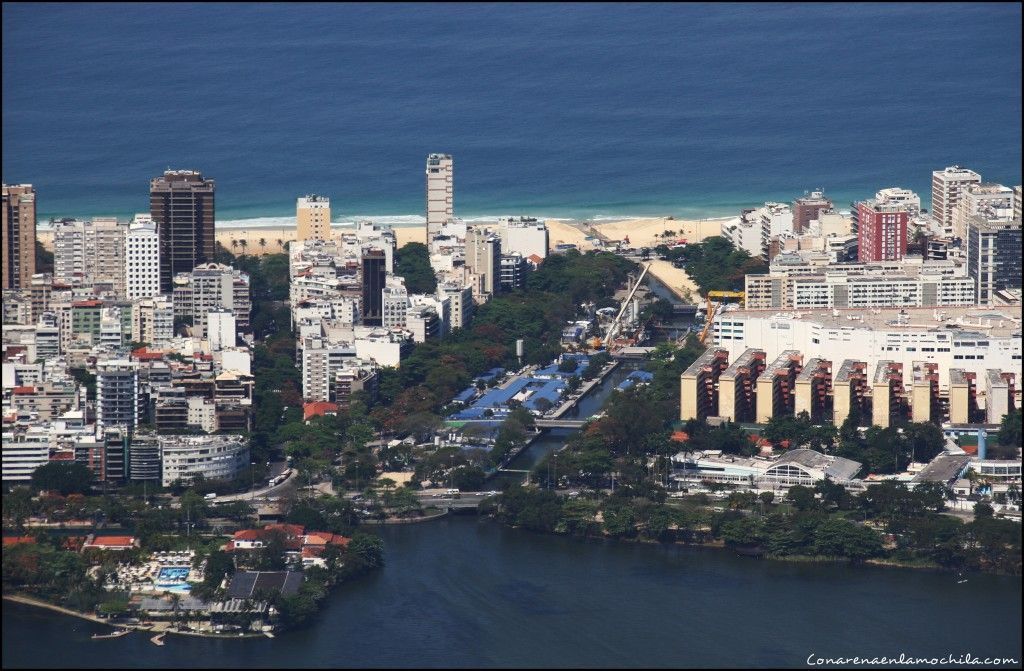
{"points": [[210, 287], [993, 201], [181, 204], [374, 273], [898, 196], [141, 259], [1016, 202], [460, 300], [117, 394], [882, 231], [993, 255], [947, 185], [440, 194], [807, 208], [313, 218], [90, 254], [19, 235], [483, 258]]}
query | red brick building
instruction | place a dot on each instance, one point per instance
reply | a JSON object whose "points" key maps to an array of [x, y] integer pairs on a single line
{"points": [[881, 232]]}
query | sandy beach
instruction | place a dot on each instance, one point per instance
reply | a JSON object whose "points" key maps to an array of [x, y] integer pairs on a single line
{"points": [[647, 232]]}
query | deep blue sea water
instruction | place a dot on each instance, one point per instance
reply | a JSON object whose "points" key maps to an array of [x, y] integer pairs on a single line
{"points": [[558, 110]]}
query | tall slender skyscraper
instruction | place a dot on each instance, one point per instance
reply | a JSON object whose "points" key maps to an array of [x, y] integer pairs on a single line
{"points": [[19, 235], [440, 194], [374, 270], [181, 204]]}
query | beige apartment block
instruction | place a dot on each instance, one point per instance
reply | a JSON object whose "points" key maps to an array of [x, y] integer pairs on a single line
{"points": [[849, 390], [313, 218], [776, 386], [924, 392], [963, 396], [698, 391], [737, 387], [813, 387], [886, 393]]}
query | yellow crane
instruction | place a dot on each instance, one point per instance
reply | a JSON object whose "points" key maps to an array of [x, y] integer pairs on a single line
{"points": [[708, 320], [741, 295], [712, 308]]}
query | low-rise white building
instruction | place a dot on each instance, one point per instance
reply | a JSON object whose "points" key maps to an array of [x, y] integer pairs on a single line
{"points": [[224, 457]]}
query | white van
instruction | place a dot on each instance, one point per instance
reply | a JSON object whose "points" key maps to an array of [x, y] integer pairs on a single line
{"points": [[452, 491]]}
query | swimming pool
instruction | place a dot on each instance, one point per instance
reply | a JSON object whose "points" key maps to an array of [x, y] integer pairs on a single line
{"points": [[172, 574], [180, 588]]}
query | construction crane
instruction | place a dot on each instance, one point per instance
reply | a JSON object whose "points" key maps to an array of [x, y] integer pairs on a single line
{"points": [[708, 320], [609, 335], [741, 295]]}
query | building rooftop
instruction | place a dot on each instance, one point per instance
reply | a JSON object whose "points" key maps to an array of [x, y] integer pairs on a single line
{"points": [[781, 363], [745, 360], [884, 371], [705, 360], [999, 321], [837, 468], [924, 371], [943, 468], [995, 378], [813, 368], [960, 376]]}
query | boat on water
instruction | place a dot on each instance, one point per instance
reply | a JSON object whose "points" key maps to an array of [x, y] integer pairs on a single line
{"points": [[115, 634]]}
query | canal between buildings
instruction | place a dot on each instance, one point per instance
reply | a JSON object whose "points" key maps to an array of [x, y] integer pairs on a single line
{"points": [[554, 439]]}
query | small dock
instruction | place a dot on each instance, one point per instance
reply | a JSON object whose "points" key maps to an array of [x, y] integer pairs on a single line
{"points": [[114, 634], [158, 639]]}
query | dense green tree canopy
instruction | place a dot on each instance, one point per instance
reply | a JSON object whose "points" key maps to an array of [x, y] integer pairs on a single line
{"points": [[62, 476]]}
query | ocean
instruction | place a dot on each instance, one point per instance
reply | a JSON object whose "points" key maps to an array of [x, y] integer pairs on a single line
{"points": [[578, 111]]}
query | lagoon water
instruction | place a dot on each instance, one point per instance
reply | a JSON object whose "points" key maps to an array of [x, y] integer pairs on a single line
{"points": [[549, 109], [467, 592]]}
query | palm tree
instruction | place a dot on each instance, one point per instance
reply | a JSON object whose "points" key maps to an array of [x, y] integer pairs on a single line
{"points": [[280, 244], [244, 243], [176, 603], [234, 244], [263, 245]]}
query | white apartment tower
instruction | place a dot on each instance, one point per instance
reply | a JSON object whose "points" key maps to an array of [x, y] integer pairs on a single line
{"points": [[142, 259], [947, 186], [440, 194], [117, 394], [313, 218], [90, 253]]}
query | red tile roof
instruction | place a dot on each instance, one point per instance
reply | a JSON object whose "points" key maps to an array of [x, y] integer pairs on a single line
{"points": [[317, 409], [18, 540], [86, 304], [24, 390], [680, 436], [112, 541], [322, 538], [290, 529], [534, 259], [247, 535]]}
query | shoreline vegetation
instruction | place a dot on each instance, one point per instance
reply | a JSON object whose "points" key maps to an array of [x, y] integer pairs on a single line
{"points": [[159, 627]]}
